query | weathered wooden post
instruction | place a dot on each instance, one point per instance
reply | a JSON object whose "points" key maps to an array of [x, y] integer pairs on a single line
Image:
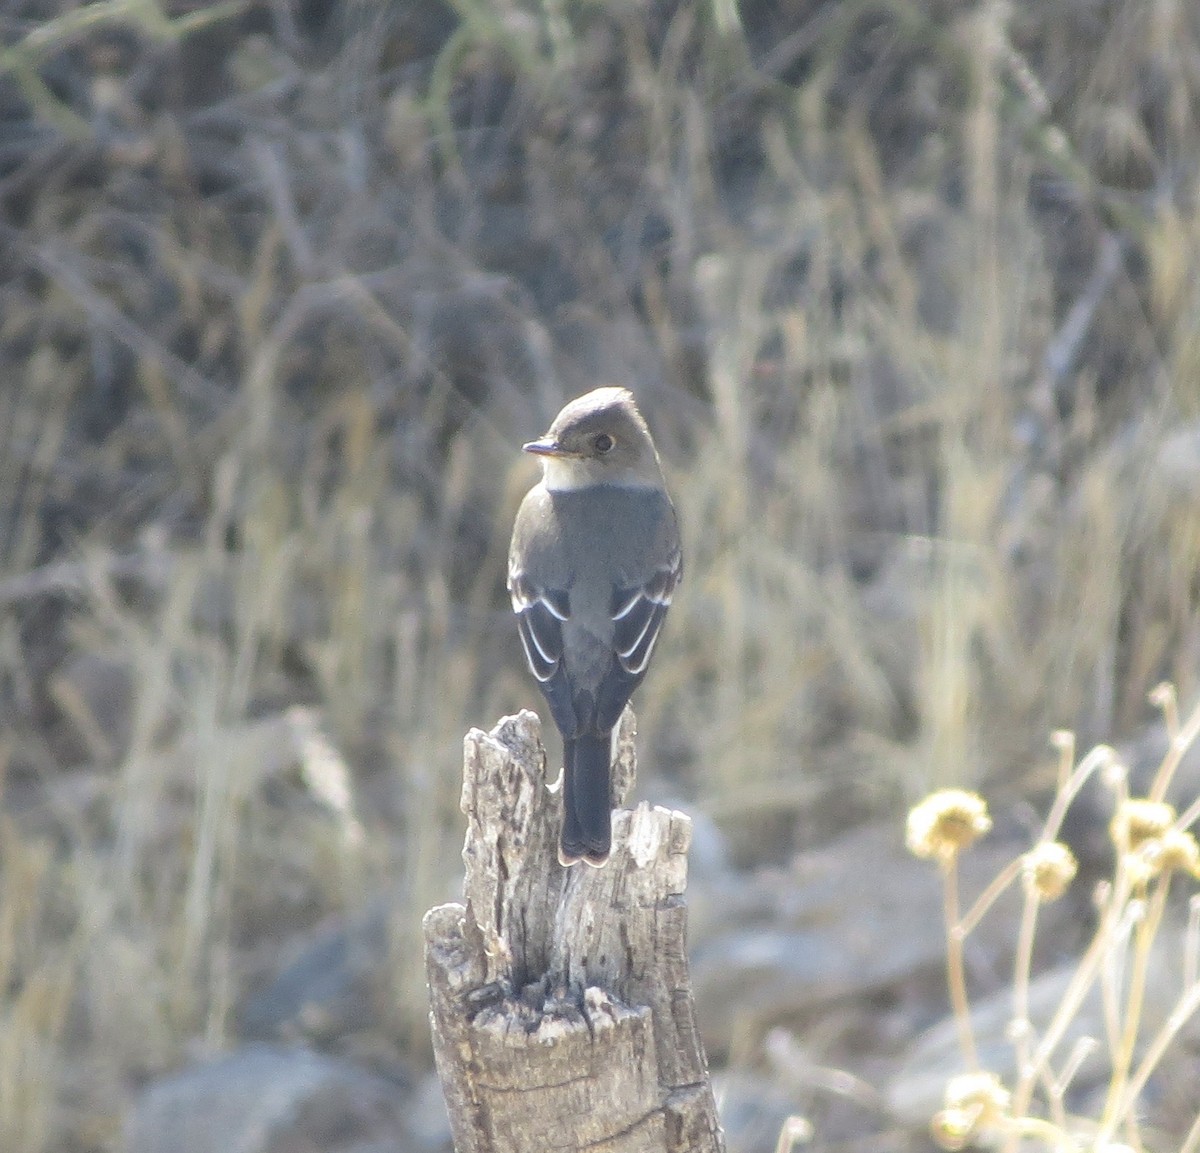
{"points": [[560, 1002]]}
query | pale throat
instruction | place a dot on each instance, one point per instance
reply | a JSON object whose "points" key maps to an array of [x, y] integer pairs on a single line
{"points": [[559, 475]]}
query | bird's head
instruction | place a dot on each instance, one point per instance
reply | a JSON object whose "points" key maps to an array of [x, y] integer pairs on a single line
{"points": [[599, 438]]}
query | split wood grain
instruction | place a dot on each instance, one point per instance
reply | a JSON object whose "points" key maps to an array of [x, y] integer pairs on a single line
{"points": [[561, 1008]]}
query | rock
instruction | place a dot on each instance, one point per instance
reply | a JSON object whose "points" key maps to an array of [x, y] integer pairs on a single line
{"points": [[263, 1099], [853, 917], [427, 1117], [754, 1110], [328, 990], [916, 1091]]}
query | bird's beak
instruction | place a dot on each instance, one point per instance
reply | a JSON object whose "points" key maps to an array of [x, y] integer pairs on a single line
{"points": [[544, 447]]}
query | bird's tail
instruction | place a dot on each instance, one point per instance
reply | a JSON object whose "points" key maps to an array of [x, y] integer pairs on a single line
{"points": [[587, 803]]}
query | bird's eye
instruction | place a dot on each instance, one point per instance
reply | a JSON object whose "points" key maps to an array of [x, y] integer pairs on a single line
{"points": [[603, 443]]}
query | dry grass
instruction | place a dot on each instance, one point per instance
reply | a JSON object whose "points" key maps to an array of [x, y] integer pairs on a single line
{"points": [[908, 291]]}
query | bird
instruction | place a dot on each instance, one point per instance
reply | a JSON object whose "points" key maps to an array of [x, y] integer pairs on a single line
{"points": [[594, 561]]}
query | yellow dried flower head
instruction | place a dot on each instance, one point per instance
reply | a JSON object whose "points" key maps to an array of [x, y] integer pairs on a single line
{"points": [[1174, 850], [1139, 869], [1144, 833], [974, 1102], [982, 1090], [1139, 820], [1048, 870], [953, 1128], [946, 822]]}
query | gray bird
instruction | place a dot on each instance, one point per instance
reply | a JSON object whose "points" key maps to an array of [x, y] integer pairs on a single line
{"points": [[593, 563]]}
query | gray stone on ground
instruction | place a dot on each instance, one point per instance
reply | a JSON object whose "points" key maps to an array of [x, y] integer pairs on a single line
{"points": [[264, 1099], [327, 990], [849, 919]]}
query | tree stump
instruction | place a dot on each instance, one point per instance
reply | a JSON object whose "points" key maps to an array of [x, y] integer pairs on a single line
{"points": [[560, 1001]]}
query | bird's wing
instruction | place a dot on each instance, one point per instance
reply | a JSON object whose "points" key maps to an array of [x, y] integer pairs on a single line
{"points": [[540, 615], [638, 613]]}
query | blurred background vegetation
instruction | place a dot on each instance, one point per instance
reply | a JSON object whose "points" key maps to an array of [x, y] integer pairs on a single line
{"points": [[909, 291]]}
